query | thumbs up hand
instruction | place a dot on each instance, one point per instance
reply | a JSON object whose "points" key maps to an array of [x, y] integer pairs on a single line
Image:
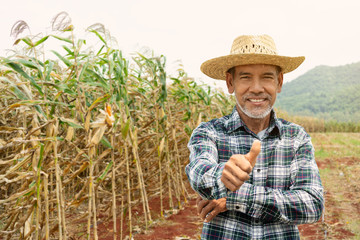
{"points": [[238, 168]]}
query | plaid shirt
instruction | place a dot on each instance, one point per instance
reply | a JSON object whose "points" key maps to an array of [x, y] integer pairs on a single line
{"points": [[284, 187]]}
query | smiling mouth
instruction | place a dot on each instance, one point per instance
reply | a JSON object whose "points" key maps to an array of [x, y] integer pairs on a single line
{"points": [[256, 100]]}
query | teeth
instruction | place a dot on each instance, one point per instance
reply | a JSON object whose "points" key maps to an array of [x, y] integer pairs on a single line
{"points": [[256, 100]]}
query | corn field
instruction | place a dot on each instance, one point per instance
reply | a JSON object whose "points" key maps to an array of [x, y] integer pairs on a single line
{"points": [[312, 124], [88, 131]]}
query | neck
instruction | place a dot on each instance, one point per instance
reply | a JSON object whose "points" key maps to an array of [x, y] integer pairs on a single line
{"points": [[255, 124]]}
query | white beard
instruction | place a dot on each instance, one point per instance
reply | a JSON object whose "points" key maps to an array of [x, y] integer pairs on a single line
{"points": [[255, 115]]}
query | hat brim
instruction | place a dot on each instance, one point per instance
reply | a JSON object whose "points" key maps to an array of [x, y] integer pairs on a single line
{"points": [[217, 67]]}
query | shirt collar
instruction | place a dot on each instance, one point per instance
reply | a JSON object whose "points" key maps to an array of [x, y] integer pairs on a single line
{"points": [[233, 122]]}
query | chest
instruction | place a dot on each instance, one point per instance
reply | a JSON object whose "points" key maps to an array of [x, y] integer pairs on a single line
{"points": [[273, 164]]}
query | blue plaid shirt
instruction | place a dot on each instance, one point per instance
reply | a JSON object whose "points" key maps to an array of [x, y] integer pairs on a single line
{"points": [[284, 189]]}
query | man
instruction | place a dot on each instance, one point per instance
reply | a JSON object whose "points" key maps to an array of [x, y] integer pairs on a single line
{"points": [[256, 174]]}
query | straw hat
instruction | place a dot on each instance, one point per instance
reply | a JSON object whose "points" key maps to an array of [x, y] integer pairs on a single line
{"points": [[249, 49]]}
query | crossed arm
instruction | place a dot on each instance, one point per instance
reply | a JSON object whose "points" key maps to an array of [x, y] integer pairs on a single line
{"points": [[301, 203]]}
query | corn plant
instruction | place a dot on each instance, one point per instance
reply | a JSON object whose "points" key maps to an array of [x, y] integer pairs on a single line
{"points": [[88, 134]]}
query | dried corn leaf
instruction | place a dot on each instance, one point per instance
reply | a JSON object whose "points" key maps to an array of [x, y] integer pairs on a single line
{"points": [[19, 194]]}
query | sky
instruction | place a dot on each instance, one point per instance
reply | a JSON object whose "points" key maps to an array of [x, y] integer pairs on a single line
{"points": [[326, 32]]}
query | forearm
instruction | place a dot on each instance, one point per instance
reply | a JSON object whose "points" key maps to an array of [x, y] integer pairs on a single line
{"points": [[204, 170], [204, 178], [273, 205]]}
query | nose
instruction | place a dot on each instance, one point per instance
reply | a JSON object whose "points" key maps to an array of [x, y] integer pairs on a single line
{"points": [[256, 86]]}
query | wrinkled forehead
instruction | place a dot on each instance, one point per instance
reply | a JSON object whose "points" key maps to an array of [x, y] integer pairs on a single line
{"points": [[258, 67]]}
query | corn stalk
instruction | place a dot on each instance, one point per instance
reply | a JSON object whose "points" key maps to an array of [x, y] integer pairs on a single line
{"points": [[65, 160]]}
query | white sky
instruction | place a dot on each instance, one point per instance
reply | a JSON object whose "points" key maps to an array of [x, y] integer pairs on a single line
{"points": [[326, 32]]}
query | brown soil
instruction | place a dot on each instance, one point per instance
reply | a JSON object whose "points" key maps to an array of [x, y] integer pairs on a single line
{"points": [[179, 223], [184, 224], [332, 225]]}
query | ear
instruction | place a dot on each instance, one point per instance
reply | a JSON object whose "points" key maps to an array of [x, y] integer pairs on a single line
{"points": [[280, 82], [230, 83]]}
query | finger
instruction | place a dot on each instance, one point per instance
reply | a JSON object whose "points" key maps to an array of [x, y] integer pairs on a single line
{"points": [[239, 167], [217, 206], [204, 211], [241, 173], [211, 206], [237, 178], [228, 184], [198, 199], [211, 215], [254, 152], [201, 205]]}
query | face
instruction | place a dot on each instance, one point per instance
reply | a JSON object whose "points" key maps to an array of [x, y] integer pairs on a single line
{"points": [[255, 88]]}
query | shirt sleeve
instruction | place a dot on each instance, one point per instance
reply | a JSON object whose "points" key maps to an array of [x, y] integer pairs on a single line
{"points": [[302, 203], [203, 170]]}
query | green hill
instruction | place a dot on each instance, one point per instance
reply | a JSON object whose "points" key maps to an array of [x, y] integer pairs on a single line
{"points": [[324, 92]]}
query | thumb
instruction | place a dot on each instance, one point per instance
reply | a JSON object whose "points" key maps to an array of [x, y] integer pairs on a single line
{"points": [[254, 152]]}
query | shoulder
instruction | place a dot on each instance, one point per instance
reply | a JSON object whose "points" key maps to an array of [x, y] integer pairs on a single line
{"points": [[212, 128], [216, 124], [293, 131]]}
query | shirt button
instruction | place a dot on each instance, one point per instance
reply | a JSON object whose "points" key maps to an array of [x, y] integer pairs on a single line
{"points": [[257, 221], [237, 207], [258, 170]]}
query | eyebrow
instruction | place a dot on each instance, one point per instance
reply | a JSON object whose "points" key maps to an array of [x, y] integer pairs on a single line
{"points": [[269, 74], [266, 73], [244, 73]]}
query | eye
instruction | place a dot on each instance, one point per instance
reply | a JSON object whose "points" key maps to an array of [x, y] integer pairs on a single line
{"points": [[268, 78], [244, 77]]}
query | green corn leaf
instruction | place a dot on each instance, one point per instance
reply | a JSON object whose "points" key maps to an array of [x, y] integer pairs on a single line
{"points": [[188, 130], [69, 91], [62, 39], [99, 36], [32, 184], [101, 82], [27, 63], [80, 43], [125, 129], [39, 110], [15, 89], [40, 157], [68, 50], [67, 62], [97, 101], [83, 70], [38, 62], [98, 53], [49, 69], [41, 41], [70, 122], [19, 70], [104, 141], [31, 64], [107, 169], [28, 41]]}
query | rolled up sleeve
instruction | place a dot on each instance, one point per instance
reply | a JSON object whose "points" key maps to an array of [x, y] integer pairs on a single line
{"points": [[204, 171]]}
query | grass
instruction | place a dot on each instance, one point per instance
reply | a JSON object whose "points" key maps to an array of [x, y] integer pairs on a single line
{"points": [[338, 155], [336, 144]]}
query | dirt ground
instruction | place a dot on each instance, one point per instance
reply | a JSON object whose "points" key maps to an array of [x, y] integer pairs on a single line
{"points": [[341, 218]]}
